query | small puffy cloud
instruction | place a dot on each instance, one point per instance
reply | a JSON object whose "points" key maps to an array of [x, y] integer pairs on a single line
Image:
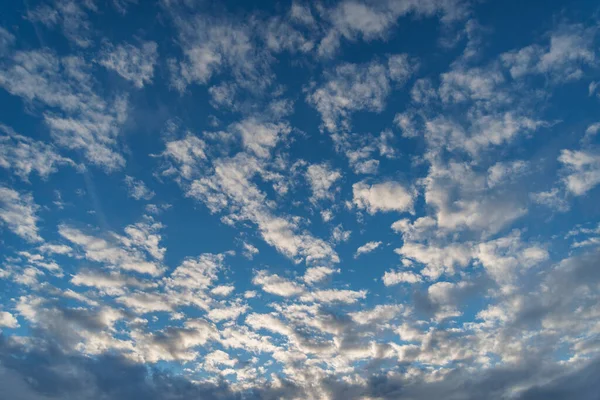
{"points": [[331, 296], [274, 284], [366, 248], [24, 155], [18, 213], [350, 88], [222, 290], [401, 67], [391, 278], [570, 47], [583, 170], [381, 313], [186, 153], [321, 178], [384, 197], [196, 272], [51, 248], [260, 137], [126, 252], [249, 250], [339, 234], [505, 172], [137, 189], [7, 320], [437, 259], [317, 274], [7, 39], [136, 64]]}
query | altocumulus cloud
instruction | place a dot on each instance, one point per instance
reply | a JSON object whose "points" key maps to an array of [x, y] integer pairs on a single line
{"points": [[347, 200]]}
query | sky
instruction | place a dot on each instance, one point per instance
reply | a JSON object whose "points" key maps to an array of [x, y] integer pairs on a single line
{"points": [[391, 199]]}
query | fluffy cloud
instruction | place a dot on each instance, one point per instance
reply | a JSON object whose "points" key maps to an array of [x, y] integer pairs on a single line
{"points": [[366, 248], [77, 116], [583, 170], [321, 179], [135, 64], [391, 278], [123, 252], [7, 320], [138, 189], [384, 197], [24, 155], [18, 213], [351, 87]]}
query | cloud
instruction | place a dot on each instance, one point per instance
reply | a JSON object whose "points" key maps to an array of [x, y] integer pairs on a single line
{"points": [[68, 15], [260, 137], [274, 284], [570, 47], [211, 46], [438, 260], [7, 320], [78, 118], [18, 213], [24, 155], [122, 252], [382, 197], [366, 248], [391, 278], [249, 250], [135, 64], [230, 187], [354, 20], [351, 87], [315, 275], [583, 170], [138, 189], [321, 179]]}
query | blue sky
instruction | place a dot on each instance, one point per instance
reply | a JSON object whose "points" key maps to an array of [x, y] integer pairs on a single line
{"points": [[299, 200]]}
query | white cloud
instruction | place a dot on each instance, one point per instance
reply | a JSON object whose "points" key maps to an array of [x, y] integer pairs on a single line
{"points": [[70, 16], [505, 172], [249, 250], [583, 170], [7, 320], [230, 188], [211, 45], [391, 278], [222, 290], [381, 313], [352, 87], [136, 64], [127, 255], [329, 296], [438, 260], [138, 189], [197, 273], [401, 67], [553, 198], [506, 258], [570, 47], [321, 178], [79, 119], [461, 199], [317, 274], [353, 20], [18, 213], [24, 155], [339, 235], [366, 248], [385, 197], [274, 284], [259, 137]]}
